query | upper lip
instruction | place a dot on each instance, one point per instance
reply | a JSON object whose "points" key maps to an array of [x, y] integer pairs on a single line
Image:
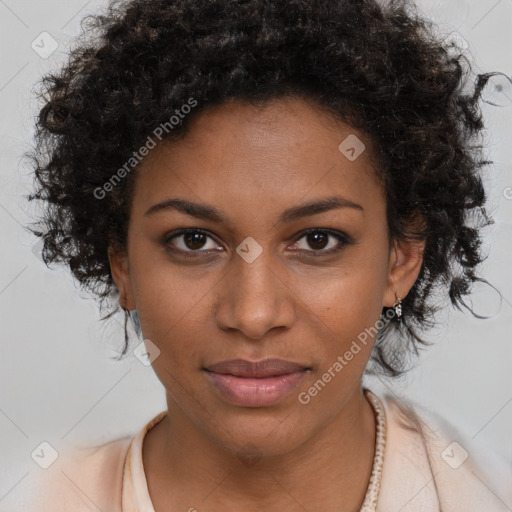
{"points": [[264, 368]]}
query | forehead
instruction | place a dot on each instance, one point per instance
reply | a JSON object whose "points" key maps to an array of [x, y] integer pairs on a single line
{"points": [[271, 155]]}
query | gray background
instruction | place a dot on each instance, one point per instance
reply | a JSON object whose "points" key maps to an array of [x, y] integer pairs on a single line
{"points": [[57, 383]]}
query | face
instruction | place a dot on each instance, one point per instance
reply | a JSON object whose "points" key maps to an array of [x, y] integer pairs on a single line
{"points": [[260, 272]]}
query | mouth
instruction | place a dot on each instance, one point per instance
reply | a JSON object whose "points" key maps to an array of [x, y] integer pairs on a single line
{"points": [[257, 369], [255, 384]]}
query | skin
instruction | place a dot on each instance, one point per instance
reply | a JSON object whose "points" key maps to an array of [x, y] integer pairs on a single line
{"points": [[252, 164]]}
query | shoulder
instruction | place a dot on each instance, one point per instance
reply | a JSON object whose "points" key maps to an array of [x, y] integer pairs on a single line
{"points": [[81, 478], [430, 463]]}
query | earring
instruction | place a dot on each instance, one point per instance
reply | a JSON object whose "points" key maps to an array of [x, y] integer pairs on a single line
{"points": [[133, 315], [397, 306], [126, 316], [125, 309]]}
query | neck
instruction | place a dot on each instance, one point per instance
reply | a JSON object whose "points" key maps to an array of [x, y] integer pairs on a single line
{"points": [[330, 471]]}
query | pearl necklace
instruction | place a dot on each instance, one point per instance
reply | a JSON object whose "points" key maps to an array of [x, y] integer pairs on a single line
{"points": [[372, 493]]}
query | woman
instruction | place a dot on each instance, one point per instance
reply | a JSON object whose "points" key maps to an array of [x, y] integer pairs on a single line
{"points": [[271, 191]]}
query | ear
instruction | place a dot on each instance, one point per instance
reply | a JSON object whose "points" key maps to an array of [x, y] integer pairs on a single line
{"points": [[405, 260], [120, 270]]}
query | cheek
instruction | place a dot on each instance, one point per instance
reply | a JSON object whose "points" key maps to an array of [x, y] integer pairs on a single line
{"points": [[177, 328], [345, 308], [164, 293], [349, 296], [171, 315]]}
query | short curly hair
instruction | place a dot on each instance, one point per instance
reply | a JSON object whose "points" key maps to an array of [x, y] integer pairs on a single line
{"points": [[377, 66]]}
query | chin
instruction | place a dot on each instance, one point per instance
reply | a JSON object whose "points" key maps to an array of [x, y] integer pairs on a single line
{"points": [[264, 436]]}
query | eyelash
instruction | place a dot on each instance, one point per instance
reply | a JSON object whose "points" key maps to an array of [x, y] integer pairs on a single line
{"points": [[341, 237]]}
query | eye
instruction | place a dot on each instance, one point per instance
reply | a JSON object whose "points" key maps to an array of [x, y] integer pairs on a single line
{"points": [[190, 240], [321, 241], [194, 241]]}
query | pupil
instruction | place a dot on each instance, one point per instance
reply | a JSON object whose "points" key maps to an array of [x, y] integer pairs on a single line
{"points": [[315, 238], [194, 238]]}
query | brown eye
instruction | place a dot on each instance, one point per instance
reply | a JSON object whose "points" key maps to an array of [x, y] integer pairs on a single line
{"points": [[321, 241], [192, 240], [317, 240]]}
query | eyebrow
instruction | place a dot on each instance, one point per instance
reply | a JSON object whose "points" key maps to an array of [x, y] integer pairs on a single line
{"points": [[206, 212]]}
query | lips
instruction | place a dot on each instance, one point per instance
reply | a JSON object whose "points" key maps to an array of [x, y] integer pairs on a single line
{"points": [[257, 369], [255, 384]]}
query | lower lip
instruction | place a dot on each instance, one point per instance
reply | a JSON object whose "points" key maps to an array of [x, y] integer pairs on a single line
{"points": [[255, 392]]}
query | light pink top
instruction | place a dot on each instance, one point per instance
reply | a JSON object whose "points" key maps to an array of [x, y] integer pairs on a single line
{"points": [[427, 466], [135, 496]]}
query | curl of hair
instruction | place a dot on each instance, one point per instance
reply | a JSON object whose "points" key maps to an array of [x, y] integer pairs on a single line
{"points": [[377, 66]]}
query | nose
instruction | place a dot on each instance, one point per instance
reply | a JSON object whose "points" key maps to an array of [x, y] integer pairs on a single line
{"points": [[254, 298]]}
